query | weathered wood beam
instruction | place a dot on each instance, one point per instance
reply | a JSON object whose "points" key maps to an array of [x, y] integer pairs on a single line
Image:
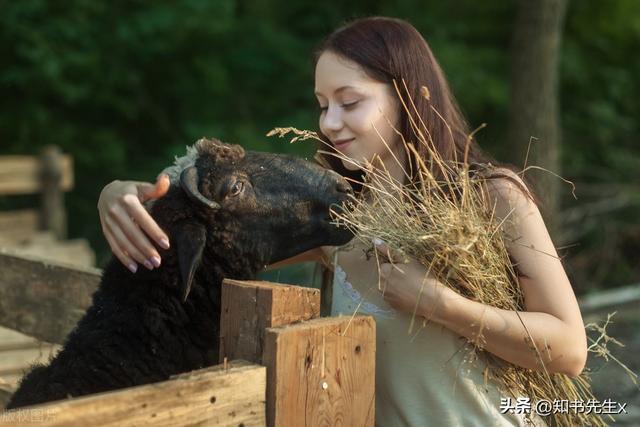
{"points": [[249, 307], [218, 396], [610, 299], [22, 174], [43, 299], [321, 372], [17, 226]]}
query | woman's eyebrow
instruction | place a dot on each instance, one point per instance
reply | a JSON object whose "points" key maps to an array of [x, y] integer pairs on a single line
{"points": [[340, 89]]}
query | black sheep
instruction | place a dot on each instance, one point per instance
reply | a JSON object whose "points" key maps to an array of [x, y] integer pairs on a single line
{"points": [[228, 215]]}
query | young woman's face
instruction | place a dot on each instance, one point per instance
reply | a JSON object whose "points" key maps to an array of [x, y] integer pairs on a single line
{"points": [[356, 112]]}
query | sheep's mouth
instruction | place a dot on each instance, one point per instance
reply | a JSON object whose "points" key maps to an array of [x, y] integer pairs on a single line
{"points": [[329, 220], [336, 210], [337, 232], [333, 221]]}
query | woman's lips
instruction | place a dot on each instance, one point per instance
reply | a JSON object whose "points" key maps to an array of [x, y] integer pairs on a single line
{"points": [[341, 144]]}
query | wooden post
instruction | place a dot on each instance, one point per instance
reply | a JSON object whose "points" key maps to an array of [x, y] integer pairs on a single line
{"points": [[249, 307], [321, 372], [52, 215]]}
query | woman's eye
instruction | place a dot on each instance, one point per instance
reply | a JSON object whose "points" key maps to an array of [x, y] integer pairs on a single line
{"points": [[323, 108], [236, 188], [349, 105]]}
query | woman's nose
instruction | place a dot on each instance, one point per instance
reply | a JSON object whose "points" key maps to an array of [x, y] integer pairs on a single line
{"points": [[332, 119]]}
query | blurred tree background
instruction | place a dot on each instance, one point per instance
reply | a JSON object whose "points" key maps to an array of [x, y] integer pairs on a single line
{"points": [[123, 86]]}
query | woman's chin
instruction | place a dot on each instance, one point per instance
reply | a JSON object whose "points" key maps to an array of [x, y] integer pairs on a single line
{"points": [[351, 165]]}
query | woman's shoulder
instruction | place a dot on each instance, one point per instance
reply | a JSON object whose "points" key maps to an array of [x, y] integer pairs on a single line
{"points": [[510, 200], [506, 186], [499, 177]]}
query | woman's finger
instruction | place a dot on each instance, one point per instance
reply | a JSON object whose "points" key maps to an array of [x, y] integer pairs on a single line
{"points": [[148, 191], [394, 256], [135, 237], [115, 218], [162, 185], [144, 220], [125, 245], [122, 256], [115, 249], [385, 270]]}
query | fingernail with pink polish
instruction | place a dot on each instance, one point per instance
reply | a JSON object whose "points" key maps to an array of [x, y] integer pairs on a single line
{"points": [[133, 267], [377, 241]]}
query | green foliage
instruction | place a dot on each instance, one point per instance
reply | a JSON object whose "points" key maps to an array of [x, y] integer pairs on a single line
{"points": [[600, 110], [123, 86]]}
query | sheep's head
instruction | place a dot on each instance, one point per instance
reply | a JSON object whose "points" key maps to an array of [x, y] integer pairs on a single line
{"points": [[249, 207]]}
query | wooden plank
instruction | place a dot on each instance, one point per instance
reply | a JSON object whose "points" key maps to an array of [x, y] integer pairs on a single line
{"points": [[610, 299], [43, 299], [5, 393], [21, 174], [9, 337], [17, 226], [213, 397], [249, 307], [72, 253], [17, 362], [9, 383], [321, 372]]}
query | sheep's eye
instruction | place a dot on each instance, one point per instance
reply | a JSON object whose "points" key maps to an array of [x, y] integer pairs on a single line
{"points": [[236, 188]]}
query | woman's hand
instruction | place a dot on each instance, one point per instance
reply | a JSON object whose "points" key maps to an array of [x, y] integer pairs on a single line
{"points": [[124, 218], [407, 285]]}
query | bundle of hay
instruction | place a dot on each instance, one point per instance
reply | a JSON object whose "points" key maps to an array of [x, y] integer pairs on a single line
{"points": [[448, 225]]}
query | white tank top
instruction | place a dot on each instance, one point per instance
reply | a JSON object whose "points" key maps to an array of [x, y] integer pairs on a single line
{"points": [[421, 379]]}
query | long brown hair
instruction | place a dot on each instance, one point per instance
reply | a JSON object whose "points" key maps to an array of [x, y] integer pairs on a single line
{"points": [[391, 50]]}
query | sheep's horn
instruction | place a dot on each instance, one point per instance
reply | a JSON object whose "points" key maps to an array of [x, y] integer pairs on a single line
{"points": [[189, 183]]}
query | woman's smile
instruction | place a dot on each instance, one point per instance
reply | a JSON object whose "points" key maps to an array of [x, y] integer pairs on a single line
{"points": [[341, 144]]}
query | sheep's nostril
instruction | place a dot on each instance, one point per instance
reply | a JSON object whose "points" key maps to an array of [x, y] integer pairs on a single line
{"points": [[344, 187]]}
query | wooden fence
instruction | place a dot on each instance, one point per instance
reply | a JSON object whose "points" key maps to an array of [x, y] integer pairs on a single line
{"points": [[283, 364], [42, 231], [50, 174]]}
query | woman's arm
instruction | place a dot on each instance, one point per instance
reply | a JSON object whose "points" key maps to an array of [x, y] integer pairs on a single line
{"points": [[552, 315]]}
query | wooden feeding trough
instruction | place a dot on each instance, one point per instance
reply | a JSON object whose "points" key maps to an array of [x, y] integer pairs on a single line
{"points": [[283, 364]]}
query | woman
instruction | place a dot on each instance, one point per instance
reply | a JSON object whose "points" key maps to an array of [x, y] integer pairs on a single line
{"points": [[355, 68]]}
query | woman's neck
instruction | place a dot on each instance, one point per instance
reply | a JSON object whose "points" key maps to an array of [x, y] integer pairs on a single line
{"points": [[395, 166]]}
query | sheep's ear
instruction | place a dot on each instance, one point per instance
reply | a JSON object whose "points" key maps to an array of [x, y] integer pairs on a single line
{"points": [[190, 237]]}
